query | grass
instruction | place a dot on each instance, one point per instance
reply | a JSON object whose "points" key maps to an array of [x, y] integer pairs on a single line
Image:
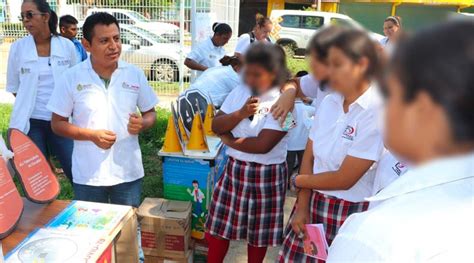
{"points": [[150, 143]]}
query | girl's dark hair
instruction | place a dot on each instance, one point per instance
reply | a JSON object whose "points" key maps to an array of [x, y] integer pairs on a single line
{"points": [[44, 7], [440, 62], [322, 41], [272, 58], [261, 20], [356, 44], [394, 19], [221, 29], [233, 61]]}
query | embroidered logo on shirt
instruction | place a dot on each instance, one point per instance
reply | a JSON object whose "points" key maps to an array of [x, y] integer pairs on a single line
{"points": [[349, 133], [25, 70], [81, 87], [64, 62], [130, 86], [398, 167]]}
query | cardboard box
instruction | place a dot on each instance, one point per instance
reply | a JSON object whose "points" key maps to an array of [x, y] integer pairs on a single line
{"points": [[187, 259], [165, 227], [190, 179]]}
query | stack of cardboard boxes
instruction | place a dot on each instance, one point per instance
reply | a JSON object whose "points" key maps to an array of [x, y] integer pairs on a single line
{"points": [[166, 230]]}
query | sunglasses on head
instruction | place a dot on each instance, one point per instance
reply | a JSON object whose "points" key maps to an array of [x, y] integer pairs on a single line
{"points": [[29, 15]]}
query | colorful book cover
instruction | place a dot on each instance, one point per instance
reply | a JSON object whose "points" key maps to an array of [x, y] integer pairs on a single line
{"points": [[315, 244], [90, 216]]}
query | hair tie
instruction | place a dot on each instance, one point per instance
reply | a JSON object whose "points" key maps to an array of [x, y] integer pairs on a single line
{"points": [[394, 19]]}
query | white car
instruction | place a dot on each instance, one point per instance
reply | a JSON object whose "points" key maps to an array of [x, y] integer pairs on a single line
{"points": [[296, 27], [156, 56], [131, 17]]}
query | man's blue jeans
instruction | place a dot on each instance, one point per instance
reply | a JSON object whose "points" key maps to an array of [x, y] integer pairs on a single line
{"points": [[51, 144], [120, 194]]}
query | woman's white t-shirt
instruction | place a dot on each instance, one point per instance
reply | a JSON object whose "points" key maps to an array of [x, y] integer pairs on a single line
{"points": [[244, 43], [336, 134], [44, 90]]}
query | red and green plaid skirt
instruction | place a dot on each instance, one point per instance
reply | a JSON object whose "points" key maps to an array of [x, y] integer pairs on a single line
{"points": [[327, 210], [248, 203]]}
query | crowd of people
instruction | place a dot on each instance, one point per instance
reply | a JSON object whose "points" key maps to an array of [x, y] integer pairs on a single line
{"points": [[380, 150], [387, 159]]}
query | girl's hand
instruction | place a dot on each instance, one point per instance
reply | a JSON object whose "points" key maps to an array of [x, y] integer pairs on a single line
{"points": [[299, 222], [285, 103], [250, 108]]}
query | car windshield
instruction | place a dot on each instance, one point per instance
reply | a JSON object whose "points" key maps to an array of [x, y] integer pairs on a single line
{"points": [[149, 35], [138, 16]]}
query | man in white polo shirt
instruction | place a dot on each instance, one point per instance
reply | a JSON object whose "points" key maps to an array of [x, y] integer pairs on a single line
{"points": [[102, 95]]}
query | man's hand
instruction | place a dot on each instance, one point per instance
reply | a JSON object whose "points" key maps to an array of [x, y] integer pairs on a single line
{"points": [[250, 108], [104, 139], [135, 124]]}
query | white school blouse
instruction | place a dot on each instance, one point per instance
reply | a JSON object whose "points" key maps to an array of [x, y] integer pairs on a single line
{"points": [[336, 134], [261, 121], [298, 136], [82, 95], [426, 215]]}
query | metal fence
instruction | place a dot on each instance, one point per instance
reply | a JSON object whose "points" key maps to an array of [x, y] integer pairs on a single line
{"points": [[156, 34]]}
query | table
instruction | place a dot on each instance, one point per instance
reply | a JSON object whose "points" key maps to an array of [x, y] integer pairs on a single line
{"points": [[38, 215], [34, 216]]}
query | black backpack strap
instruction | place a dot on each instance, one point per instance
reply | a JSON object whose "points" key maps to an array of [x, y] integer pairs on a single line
{"points": [[252, 37]]}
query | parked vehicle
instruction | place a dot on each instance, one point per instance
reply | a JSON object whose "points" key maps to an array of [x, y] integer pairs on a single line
{"points": [[297, 27], [130, 17], [156, 56]]}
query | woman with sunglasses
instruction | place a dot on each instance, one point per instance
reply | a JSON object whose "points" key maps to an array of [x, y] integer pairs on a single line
{"points": [[34, 63]]}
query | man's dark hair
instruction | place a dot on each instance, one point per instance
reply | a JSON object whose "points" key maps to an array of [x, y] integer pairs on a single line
{"points": [[67, 20], [100, 18]]}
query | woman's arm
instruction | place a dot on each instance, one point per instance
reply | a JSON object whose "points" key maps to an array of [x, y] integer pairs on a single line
{"points": [[302, 209], [265, 141], [194, 65], [351, 170], [224, 123]]}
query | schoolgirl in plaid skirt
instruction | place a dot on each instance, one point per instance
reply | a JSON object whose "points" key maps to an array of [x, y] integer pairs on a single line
{"points": [[345, 141], [247, 203]]}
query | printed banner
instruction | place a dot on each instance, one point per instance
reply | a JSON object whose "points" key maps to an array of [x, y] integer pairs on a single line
{"points": [[36, 177]]}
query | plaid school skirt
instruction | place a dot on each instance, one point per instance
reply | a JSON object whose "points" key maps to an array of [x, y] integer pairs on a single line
{"points": [[248, 203], [327, 210]]}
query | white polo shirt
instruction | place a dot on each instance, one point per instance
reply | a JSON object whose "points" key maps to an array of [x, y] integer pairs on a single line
{"points": [[426, 215], [336, 134], [217, 83], [298, 136], [24, 75], [311, 87], [388, 170], [261, 121], [81, 95], [207, 54]]}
